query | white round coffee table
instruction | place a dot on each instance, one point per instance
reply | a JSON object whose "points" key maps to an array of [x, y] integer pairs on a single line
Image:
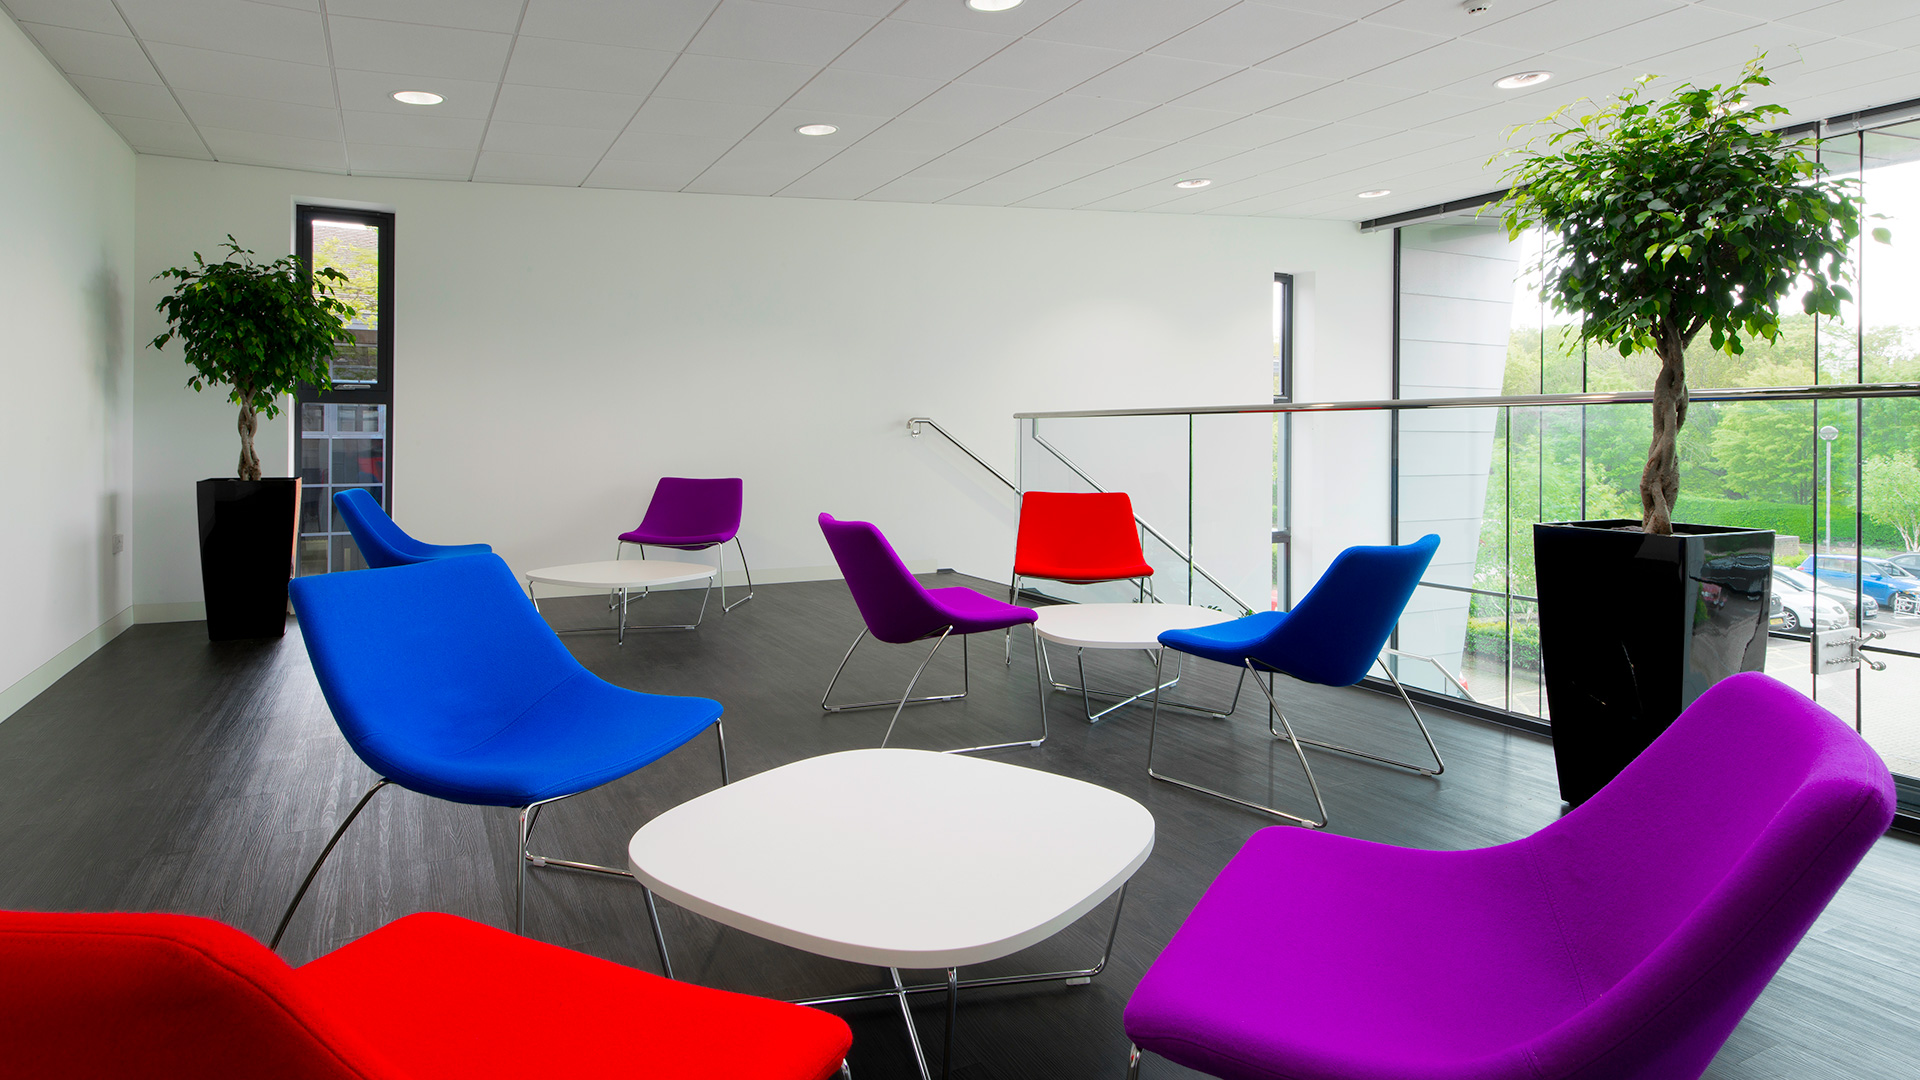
{"points": [[1114, 626], [898, 859], [621, 576]]}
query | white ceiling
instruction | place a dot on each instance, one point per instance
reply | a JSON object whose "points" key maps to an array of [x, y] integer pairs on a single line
{"points": [[1291, 107]]}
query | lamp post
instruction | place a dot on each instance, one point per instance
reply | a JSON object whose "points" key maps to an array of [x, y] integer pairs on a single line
{"points": [[1829, 433]]}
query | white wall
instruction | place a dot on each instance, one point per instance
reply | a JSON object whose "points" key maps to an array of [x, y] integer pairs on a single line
{"points": [[66, 296], [557, 350]]}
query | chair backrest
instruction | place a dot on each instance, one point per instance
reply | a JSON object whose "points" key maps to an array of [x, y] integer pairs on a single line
{"points": [[1078, 536], [1334, 633], [381, 542], [1682, 886], [890, 599], [161, 997], [691, 506], [422, 661]]}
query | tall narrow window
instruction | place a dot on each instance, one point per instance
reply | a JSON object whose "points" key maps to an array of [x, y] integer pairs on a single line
{"points": [[1281, 596], [346, 432]]}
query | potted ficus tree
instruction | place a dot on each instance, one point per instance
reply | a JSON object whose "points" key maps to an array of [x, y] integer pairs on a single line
{"points": [[1668, 219], [260, 330]]}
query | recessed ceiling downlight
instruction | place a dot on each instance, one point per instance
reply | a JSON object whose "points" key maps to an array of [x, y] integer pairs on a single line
{"points": [[993, 5], [1520, 80], [418, 97], [1376, 193], [1196, 182], [816, 129]]}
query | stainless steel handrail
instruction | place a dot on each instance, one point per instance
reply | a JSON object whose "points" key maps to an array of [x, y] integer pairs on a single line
{"points": [[913, 429], [1033, 432], [1831, 392]]}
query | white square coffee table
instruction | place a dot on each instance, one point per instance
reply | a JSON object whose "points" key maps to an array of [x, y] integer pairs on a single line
{"points": [[620, 576], [898, 859], [1117, 626]]}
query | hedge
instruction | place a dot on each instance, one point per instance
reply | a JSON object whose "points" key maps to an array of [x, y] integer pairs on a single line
{"points": [[1488, 637], [1787, 519]]}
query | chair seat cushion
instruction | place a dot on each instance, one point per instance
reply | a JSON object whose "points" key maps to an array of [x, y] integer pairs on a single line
{"points": [[1318, 957], [973, 612], [1081, 573], [1228, 642], [685, 543], [444, 998], [583, 733]]}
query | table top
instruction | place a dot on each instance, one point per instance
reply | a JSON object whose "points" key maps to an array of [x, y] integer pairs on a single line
{"points": [[621, 573], [896, 858], [1120, 626]]}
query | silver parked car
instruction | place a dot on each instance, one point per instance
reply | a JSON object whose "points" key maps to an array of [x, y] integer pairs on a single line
{"points": [[1801, 608]]}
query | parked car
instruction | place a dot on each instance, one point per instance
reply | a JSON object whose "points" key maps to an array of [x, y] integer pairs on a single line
{"points": [[1788, 579], [1801, 609], [1878, 578], [1910, 562]]}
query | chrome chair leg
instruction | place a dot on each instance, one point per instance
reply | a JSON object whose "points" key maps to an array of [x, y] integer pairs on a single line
{"points": [[889, 702], [1312, 784], [916, 678], [1013, 595], [724, 606], [532, 818], [1439, 766], [1133, 1062], [301, 893]]}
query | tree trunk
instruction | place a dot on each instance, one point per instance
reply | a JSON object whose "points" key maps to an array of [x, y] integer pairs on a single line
{"points": [[1660, 481], [249, 461]]}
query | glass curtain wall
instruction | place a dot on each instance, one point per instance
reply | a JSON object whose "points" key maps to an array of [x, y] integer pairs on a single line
{"points": [[1837, 480]]}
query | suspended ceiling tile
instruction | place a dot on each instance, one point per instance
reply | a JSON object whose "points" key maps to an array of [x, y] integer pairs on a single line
{"points": [[547, 140], [774, 156], [160, 136], [960, 165], [779, 127], [1448, 19], [417, 162], [117, 97], [564, 108], [422, 129], [1449, 62], [1053, 66], [918, 135], [84, 52], [863, 92], [921, 50], [729, 181], [1170, 122], [1419, 110], [1152, 79], [974, 106], [211, 72], [1251, 90], [677, 116], [262, 116], [643, 175], [1249, 33], [423, 51], [1340, 101], [1020, 20], [277, 151], [1099, 151], [581, 65], [1551, 27], [372, 91], [1851, 16], [1078, 113], [854, 173], [654, 24], [1181, 157], [681, 151], [499, 16], [1132, 25], [749, 30], [1633, 44], [915, 189], [508, 168], [1249, 132], [1023, 144], [99, 16], [237, 26], [743, 82], [1351, 50]]}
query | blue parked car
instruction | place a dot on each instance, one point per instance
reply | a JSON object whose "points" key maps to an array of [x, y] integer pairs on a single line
{"points": [[1892, 585]]}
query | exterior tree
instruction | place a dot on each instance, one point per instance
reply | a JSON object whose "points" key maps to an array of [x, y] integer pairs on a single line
{"points": [[261, 329], [1890, 492], [1676, 217]]}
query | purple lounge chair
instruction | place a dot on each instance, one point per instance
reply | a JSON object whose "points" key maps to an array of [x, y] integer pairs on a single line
{"points": [[1624, 940], [693, 514], [898, 609]]}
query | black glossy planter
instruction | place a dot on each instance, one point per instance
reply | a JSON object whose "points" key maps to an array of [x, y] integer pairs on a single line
{"points": [[1633, 627], [248, 529]]}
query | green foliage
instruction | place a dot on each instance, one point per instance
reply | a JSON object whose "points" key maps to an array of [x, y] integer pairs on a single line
{"points": [[1892, 495], [260, 329], [1683, 215]]}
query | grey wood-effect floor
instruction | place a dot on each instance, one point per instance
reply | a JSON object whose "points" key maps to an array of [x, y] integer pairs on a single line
{"points": [[168, 773]]}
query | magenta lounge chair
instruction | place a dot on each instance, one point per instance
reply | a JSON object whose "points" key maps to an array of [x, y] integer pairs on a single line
{"points": [[1624, 940], [692, 514], [898, 609]]}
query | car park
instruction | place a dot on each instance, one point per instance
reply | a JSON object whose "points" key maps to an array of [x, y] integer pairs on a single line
{"points": [[1886, 582], [1802, 609], [1787, 581]]}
